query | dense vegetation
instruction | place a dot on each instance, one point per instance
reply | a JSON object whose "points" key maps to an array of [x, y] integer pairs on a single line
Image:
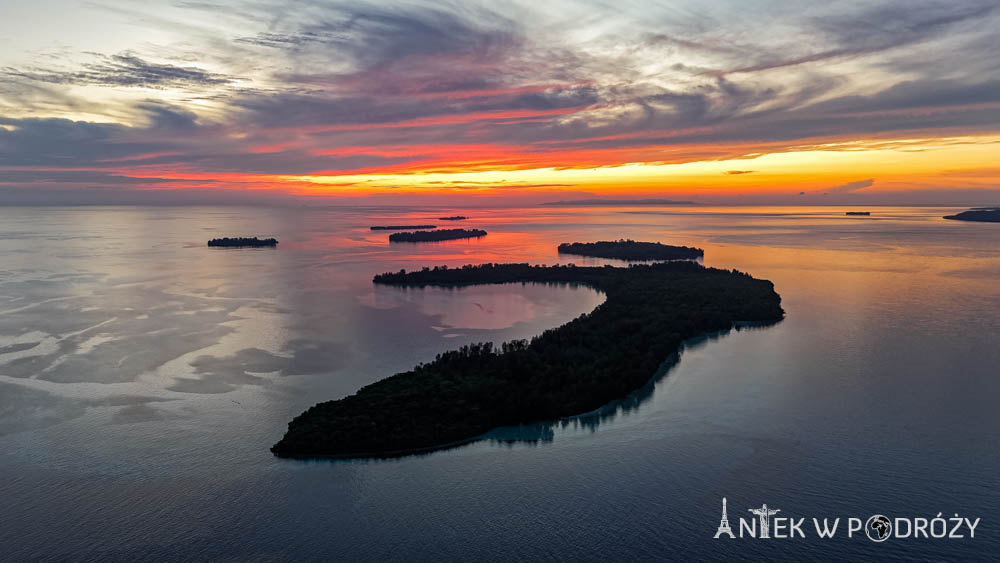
{"points": [[430, 236], [401, 227], [453, 218], [630, 250], [242, 241], [598, 357], [984, 214]]}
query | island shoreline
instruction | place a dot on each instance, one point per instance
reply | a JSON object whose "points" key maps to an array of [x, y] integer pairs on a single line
{"points": [[473, 388], [661, 373]]}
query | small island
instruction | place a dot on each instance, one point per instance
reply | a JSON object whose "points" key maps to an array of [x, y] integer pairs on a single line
{"points": [[435, 236], [630, 250], [860, 213], [981, 214], [239, 242], [453, 218], [401, 227], [598, 357]]}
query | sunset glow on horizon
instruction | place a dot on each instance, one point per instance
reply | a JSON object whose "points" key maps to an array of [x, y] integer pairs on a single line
{"points": [[899, 103]]}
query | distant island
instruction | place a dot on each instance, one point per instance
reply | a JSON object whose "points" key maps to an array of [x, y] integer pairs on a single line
{"points": [[863, 213], [453, 218], [242, 242], [598, 357], [434, 236], [401, 227], [982, 214], [610, 202], [630, 250]]}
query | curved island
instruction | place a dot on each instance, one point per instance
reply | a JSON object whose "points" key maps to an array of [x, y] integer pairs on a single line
{"points": [[575, 368], [435, 236], [630, 250]]}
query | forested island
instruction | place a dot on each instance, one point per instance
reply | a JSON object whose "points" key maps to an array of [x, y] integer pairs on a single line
{"points": [[598, 357], [630, 250], [433, 236], [861, 213], [237, 242], [453, 218], [983, 214], [401, 227]]}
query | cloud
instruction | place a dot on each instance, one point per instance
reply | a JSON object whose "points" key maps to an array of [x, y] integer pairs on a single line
{"points": [[396, 87], [167, 117], [171, 143], [76, 194], [880, 28], [123, 70], [280, 41], [61, 142], [849, 187]]}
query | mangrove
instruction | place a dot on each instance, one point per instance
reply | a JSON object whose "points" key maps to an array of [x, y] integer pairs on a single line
{"points": [[982, 214], [624, 249], [649, 311], [237, 242], [434, 236]]}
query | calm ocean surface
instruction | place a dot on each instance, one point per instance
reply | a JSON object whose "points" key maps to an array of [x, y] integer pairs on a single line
{"points": [[143, 377]]}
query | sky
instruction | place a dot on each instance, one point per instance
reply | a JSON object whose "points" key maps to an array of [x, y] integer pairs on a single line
{"points": [[726, 101]]}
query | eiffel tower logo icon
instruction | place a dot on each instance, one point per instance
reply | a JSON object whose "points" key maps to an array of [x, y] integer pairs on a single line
{"points": [[724, 524]]}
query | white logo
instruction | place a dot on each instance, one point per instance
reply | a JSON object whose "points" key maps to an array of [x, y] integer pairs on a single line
{"points": [[724, 525], [877, 528], [765, 515]]}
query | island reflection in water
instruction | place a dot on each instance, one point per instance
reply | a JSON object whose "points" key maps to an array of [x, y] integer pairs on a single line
{"points": [[485, 306], [545, 432]]}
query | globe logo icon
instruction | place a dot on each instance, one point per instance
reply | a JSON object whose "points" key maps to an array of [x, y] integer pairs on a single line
{"points": [[878, 528]]}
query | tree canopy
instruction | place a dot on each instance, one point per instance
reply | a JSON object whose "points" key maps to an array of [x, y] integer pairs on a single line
{"points": [[598, 357]]}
